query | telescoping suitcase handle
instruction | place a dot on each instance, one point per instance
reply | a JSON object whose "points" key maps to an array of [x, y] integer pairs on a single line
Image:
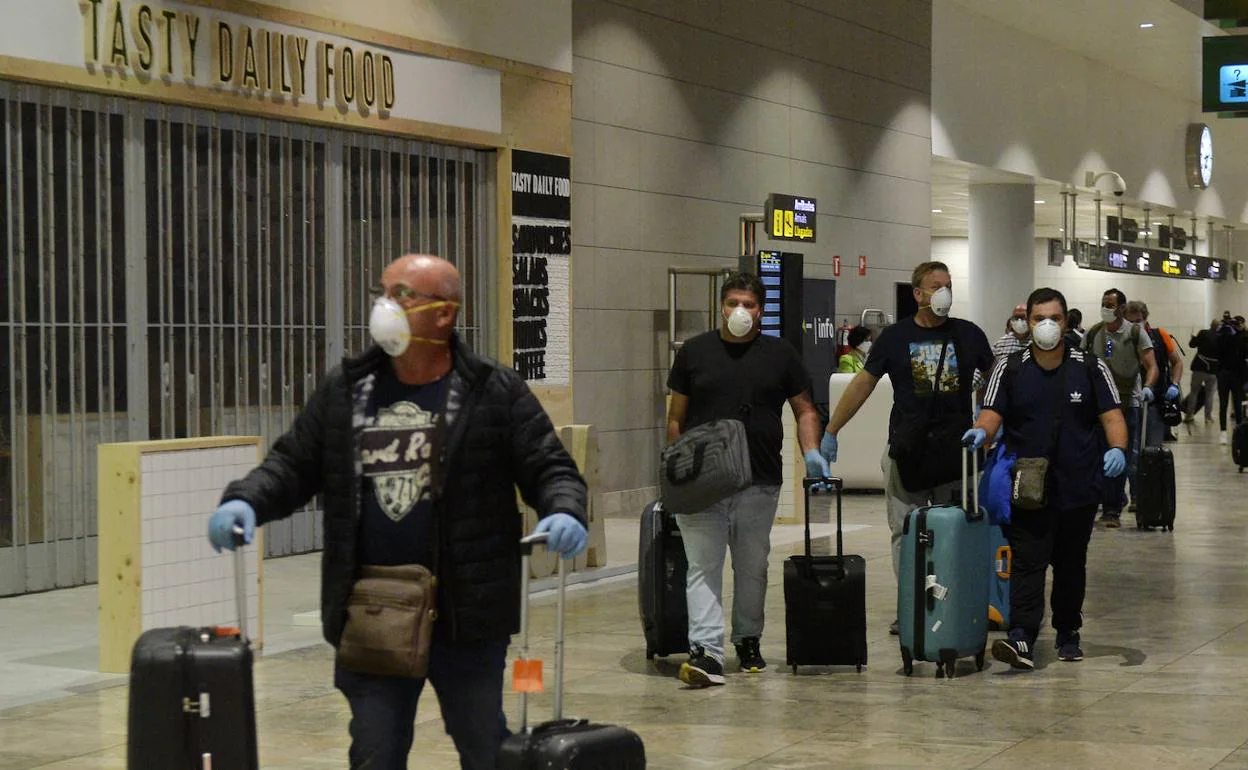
{"points": [[970, 485], [526, 551], [813, 485], [240, 579]]}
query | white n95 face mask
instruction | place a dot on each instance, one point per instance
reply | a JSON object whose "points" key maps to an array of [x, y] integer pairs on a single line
{"points": [[942, 301], [1109, 315], [387, 323], [1046, 334], [1019, 325], [740, 322]]}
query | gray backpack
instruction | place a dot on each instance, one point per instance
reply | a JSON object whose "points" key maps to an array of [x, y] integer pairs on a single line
{"points": [[704, 466]]}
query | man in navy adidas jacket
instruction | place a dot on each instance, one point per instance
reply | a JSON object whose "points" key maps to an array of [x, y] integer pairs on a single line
{"points": [[1060, 403]]}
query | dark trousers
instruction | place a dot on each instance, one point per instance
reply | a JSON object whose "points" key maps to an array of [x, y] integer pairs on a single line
{"points": [[468, 679], [1038, 539], [1230, 393]]}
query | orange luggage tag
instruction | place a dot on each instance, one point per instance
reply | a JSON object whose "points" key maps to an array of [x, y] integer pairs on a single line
{"points": [[526, 676]]}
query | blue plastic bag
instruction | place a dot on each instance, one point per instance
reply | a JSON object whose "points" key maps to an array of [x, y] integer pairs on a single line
{"points": [[997, 484]]}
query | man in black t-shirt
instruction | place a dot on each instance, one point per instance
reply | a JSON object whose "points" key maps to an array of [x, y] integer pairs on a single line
{"points": [[736, 372], [1058, 403], [932, 361]]}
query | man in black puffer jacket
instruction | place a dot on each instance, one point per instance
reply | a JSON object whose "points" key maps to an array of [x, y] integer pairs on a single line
{"points": [[417, 447]]}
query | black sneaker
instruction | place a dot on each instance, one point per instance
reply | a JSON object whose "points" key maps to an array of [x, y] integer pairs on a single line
{"points": [[894, 629], [1111, 520], [751, 657], [1068, 648], [701, 670], [1015, 651]]}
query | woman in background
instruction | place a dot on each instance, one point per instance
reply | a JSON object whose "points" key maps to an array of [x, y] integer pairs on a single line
{"points": [[859, 345]]}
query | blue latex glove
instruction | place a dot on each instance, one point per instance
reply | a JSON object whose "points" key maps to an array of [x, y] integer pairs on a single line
{"points": [[828, 447], [975, 437], [565, 535], [1148, 395], [221, 525], [1172, 392], [1115, 463], [816, 466]]}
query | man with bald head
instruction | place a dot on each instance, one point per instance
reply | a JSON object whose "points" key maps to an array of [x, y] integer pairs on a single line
{"points": [[1017, 335], [417, 447]]}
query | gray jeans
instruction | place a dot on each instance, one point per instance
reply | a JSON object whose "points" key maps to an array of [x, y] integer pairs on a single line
{"points": [[740, 524], [901, 502], [1208, 382]]}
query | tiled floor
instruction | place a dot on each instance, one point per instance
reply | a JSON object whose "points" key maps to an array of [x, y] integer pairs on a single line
{"points": [[1164, 684]]}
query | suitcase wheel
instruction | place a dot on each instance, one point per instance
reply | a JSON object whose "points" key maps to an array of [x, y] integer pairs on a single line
{"points": [[907, 662], [859, 668], [979, 661], [795, 669], [649, 654]]}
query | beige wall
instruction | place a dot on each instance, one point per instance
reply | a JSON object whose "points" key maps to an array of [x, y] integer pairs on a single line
{"points": [[687, 114], [535, 32]]}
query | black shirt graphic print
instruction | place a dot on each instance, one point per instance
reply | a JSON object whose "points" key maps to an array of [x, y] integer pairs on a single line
{"points": [[909, 355], [398, 455]]}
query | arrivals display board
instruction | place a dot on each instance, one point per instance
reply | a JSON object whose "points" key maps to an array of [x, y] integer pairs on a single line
{"points": [[1124, 258], [789, 218]]}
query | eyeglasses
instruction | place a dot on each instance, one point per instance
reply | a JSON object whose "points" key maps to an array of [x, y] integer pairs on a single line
{"points": [[401, 293]]}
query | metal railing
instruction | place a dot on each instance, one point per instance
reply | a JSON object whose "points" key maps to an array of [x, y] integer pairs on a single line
{"points": [[171, 272]]}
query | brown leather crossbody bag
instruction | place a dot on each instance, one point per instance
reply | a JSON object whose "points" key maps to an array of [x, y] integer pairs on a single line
{"points": [[390, 618]]}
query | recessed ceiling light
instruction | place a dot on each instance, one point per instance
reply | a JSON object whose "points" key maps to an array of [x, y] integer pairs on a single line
{"points": [[1147, 25], [936, 211], [1038, 202]]}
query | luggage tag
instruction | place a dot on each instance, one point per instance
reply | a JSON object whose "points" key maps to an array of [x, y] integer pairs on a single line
{"points": [[937, 590], [1005, 562], [526, 676]]}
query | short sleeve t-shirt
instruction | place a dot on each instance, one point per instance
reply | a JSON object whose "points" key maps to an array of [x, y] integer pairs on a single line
{"points": [[910, 355], [1028, 400], [749, 381], [398, 452], [1121, 350]]}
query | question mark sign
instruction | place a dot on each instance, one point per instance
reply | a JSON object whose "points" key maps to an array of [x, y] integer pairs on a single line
{"points": [[1237, 71]]}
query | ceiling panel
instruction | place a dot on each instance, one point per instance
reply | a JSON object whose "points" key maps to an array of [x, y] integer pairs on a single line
{"points": [[1167, 55]]}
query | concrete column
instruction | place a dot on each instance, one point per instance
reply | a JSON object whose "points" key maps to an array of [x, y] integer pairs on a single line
{"points": [[1001, 235], [1228, 294]]}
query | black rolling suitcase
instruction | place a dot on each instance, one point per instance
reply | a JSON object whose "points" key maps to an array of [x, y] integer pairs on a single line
{"points": [[192, 704], [661, 573], [1239, 446], [1155, 490], [562, 744], [825, 600]]}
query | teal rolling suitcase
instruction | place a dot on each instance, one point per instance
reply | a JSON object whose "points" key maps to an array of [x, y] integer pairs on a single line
{"points": [[942, 589]]}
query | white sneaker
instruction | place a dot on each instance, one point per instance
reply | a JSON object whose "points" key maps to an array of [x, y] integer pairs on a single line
{"points": [[1222, 438]]}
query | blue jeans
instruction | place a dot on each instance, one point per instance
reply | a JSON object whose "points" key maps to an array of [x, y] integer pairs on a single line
{"points": [[1116, 489], [741, 523], [468, 678]]}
